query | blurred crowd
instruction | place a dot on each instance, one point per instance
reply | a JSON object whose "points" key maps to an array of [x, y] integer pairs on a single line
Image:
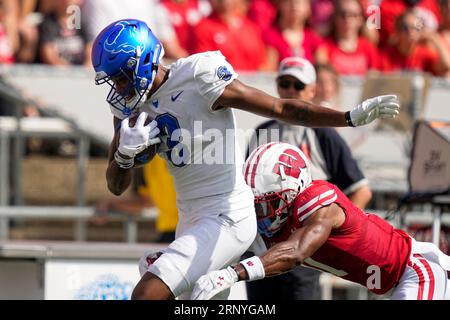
{"points": [[352, 36]]}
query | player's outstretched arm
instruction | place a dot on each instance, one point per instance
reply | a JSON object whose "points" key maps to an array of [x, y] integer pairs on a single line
{"points": [[280, 258], [298, 112]]}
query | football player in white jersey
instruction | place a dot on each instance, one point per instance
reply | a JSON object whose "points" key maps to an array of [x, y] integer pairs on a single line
{"points": [[190, 104]]}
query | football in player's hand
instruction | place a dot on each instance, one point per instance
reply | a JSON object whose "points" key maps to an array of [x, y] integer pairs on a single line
{"points": [[146, 155]]}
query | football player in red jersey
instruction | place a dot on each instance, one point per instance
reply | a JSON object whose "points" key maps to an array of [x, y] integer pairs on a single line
{"points": [[314, 224]]}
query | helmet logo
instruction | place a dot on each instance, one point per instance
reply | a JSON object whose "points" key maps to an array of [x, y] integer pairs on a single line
{"points": [[292, 162], [118, 41]]}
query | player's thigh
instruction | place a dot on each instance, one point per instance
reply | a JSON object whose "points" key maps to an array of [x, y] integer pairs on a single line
{"points": [[210, 243], [421, 280], [150, 287]]}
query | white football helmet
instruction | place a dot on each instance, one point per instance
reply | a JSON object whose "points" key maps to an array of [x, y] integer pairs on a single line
{"points": [[277, 172]]}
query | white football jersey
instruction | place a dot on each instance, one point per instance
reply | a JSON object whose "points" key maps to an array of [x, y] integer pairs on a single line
{"points": [[199, 144]]}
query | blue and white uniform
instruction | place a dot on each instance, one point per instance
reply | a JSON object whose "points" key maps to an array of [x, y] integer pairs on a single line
{"points": [[216, 211]]}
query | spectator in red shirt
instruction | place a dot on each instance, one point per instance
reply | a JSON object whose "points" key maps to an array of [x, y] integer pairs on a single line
{"points": [[413, 48], [262, 12], [444, 29], [322, 12], [348, 51], [184, 15], [6, 41], [390, 10], [290, 36], [227, 30]]}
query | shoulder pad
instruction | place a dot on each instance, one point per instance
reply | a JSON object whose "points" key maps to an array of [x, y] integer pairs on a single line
{"points": [[319, 194]]}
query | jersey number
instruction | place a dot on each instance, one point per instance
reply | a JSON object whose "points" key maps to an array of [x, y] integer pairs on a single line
{"points": [[167, 123], [323, 267]]}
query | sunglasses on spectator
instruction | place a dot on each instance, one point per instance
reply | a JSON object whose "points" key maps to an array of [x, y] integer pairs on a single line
{"points": [[286, 84]]}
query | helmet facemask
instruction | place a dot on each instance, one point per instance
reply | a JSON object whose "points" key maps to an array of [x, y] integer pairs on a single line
{"points": [[272, 211], [128, 97], [276, 172]]}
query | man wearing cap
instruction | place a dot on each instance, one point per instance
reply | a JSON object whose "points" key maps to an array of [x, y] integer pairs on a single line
{"points": [[330, 159]]}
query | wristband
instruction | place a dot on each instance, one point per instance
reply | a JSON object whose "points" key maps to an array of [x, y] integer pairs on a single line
{"points": [[254, 268], [124, 163], [348, 119]]}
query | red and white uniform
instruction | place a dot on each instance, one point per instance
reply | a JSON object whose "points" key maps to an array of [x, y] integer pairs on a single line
{"points": [[366, 244]]}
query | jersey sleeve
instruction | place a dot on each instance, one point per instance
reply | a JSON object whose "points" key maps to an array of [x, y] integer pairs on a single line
{"points": [[213, 73], [318, 195]]}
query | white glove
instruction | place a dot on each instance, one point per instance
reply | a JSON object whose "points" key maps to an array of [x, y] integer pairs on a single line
{"points": [[147, 260], [373, 108], [213, 283], [136, 139]]}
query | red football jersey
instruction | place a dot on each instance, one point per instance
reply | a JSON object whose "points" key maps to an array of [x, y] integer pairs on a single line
{"points": [[363, 244]]}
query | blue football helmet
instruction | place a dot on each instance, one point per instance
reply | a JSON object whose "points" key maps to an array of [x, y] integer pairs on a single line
{"points": [[126, 55]]}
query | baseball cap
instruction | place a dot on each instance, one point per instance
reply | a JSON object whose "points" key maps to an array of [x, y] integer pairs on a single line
{"points": [[298, 68]]}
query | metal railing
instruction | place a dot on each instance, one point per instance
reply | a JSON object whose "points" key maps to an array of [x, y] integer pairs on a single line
{"points": [[80, 215]]}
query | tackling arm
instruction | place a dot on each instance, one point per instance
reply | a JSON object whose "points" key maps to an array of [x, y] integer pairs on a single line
{"points": [[298, 112], [282, 257], [302, 244]]}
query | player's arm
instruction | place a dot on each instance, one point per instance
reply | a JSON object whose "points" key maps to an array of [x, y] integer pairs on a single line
{"points": [[303, 243], [118, 179], [298, 112], [127, 142], [280, 258]]}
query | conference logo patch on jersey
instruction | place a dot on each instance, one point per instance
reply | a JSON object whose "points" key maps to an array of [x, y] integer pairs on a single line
{"points": [[292, 162], [155, 103], [223, 73]]}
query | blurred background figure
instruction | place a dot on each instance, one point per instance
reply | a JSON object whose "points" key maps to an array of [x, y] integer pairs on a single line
{"points": [[30, 15], [262, 12], [444, 29], [97, 14], [227, 29], [61, 42], [327, 86], [9, 38], [390, 10], [290, 35], [330, 159], [346, 49], [322, 13], [414, 48], [184, 15]]}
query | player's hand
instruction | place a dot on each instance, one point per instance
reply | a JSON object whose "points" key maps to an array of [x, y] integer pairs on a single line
{"points": [[213, 283], [135, 139], [147, 260], [373, 108]]}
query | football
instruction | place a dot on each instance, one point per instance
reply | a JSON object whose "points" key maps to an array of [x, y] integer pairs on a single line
{"points": [[146, 155]]}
